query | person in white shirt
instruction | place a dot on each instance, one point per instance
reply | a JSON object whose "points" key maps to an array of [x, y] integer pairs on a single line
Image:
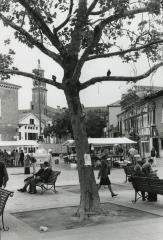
{"points": [[50, 160]]}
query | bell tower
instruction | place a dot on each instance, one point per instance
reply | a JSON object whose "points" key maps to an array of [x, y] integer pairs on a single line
{"points": [[39, 93]]}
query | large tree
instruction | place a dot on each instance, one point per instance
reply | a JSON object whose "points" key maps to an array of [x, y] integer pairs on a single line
{"points": [[90, 30]]}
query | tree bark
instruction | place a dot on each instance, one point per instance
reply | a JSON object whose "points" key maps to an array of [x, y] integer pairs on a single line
{"points": [[89, 197]]}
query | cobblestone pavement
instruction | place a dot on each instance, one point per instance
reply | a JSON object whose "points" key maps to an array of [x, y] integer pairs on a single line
{"points": [[149, 229]]}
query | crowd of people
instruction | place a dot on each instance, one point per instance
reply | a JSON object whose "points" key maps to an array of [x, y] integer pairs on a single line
{"points": [[14, 158]]}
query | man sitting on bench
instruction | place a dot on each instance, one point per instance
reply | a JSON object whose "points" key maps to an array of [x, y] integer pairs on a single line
{"points": [[41, 176]]}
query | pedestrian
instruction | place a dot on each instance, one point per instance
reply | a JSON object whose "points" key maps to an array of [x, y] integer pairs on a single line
{"points": [[132, 152], [3, 175], [33, 162], [50, 159], [12, 157], [5, 157], [17, 156], [21, 158], [27, 163], [153, 155], [103, 175]]}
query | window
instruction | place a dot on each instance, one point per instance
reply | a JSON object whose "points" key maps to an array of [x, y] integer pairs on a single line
{"points": [[31, 121], [32, 136], [19, 135], [25, 136]]}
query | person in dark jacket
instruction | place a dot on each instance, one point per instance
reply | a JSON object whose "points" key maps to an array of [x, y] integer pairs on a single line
{"points": [[150, 173], [44, 177], [21, 158], [28, 180], [103, 175], [3, 175]]}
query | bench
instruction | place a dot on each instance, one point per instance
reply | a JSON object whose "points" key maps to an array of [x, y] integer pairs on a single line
{"points": [[50, 185], [129, 170], [4, 194], [149, 185]]}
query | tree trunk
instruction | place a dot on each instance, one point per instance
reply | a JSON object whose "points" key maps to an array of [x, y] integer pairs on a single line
{"points": [[89, 197]]}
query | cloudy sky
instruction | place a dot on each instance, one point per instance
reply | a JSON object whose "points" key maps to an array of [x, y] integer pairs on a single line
{"points": [[100, 94]]}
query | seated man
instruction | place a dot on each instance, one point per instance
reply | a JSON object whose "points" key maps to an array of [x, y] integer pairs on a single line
{"points": [[43, 177], [139, 173], [42, 173], [138, 168], [149, 172], [147, 169]]}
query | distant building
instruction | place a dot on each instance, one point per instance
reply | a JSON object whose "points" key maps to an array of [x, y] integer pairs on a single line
{"points": [[8, 111], [29, 126], [141, 118], [112, 122], [41, 112]]}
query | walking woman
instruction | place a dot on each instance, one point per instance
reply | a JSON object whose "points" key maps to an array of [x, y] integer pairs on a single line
{"points": [[103, 175]]}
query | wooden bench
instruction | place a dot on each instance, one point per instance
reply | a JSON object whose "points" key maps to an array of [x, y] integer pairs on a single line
{"points": [[4, 194], [129, 170], [148, 185], [50, 185]]}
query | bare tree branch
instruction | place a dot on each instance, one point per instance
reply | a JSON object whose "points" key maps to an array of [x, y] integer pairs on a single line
{"points": [[119, 78], [122, 15], [68, 17], [98, 32], [36, 43], [32, 76], [92, 6], [43, 26], [120, 53]]}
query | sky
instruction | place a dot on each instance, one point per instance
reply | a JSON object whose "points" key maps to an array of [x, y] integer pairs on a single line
{"points": [[100, 94]]}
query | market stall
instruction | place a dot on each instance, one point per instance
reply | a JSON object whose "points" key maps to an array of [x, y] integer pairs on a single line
{"points": [[115, 148]]}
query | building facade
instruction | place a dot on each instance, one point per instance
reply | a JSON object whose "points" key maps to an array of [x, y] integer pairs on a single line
{"points": [[8, 111], [141, 119], [112, 122]]}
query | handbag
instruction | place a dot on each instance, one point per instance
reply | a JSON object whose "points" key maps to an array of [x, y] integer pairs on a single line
{"points": [[108, 170]]}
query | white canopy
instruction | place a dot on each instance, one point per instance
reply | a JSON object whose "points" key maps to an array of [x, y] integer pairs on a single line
{"points": [[18, 143], [103, 141]]}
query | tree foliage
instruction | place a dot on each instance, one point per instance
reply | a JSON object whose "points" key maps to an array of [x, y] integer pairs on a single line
{"points": [[95, 125], [102, 28], [61, 126]]}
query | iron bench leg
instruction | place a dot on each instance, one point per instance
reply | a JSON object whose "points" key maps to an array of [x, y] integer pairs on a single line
{"points": [[3, 226]]}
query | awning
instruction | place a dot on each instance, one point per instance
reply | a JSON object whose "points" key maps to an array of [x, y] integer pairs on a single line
{"points": [[27, 143], [103, 141]]}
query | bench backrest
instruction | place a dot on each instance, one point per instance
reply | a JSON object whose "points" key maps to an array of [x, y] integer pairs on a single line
{"points": [[153, 185], [53, 176], [156, 185], [140, 184], [4, 194]]}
